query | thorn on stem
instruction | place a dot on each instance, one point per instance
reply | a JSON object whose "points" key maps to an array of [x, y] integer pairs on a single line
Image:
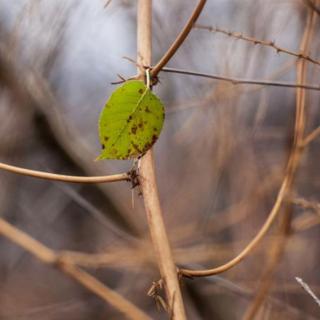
{"points": [[122, 79], [134, 178], [154, 292]]}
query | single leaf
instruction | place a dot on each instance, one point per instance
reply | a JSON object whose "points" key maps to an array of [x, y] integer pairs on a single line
{"points": [[131, 121]]}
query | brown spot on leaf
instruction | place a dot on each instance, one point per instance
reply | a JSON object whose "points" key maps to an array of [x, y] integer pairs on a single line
{"points": [[106, 139], [147, 109], [140, 91], [140, 125], [102, 146], [154, 139], [136, 147], [148, 146], [134, 129]]}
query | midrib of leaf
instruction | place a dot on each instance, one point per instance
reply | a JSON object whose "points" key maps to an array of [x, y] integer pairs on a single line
{"points": [[131, 114]]}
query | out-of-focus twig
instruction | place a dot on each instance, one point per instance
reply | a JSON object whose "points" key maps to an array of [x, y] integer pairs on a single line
{"points": [[275, 252], [179, 40], [108, 2], [311, 216], [312, 5], [308, 290], [50, 257], [277, 249], [311, 136], [255, 41], [292, 166], [306, 204]]}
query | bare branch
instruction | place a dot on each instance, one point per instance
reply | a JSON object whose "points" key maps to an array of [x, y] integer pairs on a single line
{"points": [[308, 290], [277, 249], [310, 4], [179, 40], [149, 187], [291, 170], [311, 136], [237, 81], [64, 178], [255, 41], [305, 204], [52, 258]]}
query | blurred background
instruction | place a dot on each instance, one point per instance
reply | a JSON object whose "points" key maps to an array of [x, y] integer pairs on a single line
{"points": [[220, 158]]}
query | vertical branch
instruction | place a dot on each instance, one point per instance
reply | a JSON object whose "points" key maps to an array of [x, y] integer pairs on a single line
{"points": [[291, 168], [148, 182], [275, 253], [279, 244]]}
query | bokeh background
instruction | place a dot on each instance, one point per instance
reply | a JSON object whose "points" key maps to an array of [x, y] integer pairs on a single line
{"points": [[220, 158]]}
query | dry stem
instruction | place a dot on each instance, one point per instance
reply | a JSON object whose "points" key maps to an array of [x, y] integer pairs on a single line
{"points": [[179, 40], [149, 185], [64, 178], [52, 258], [255, 41], [237, 81], [311, 136], [285, 188], [278, 246]]}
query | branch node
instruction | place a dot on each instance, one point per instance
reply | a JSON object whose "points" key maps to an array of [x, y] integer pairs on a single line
{"points": [[134, 178]]}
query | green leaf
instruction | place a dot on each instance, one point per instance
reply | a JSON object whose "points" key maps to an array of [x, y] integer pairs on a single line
{"points": [[131, 121]]}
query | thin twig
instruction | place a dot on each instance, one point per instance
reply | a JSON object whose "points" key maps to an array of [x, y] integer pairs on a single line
{"points": [[277, 249], [305, 204], [64, 178], [179, 40], [237, 81], [312, 6], [50, 257], [149, 187], [311, 216], [255, 41], [275, 253], [308, 290], [291, 169], [252, 244], [311, 136], [107, 3]]}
